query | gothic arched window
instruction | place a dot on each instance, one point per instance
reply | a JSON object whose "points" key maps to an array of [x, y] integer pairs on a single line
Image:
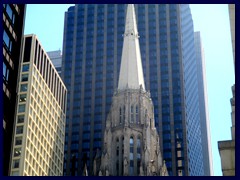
{"points": [[131, 166], [117, 147], [122, 154], [138, 155]]}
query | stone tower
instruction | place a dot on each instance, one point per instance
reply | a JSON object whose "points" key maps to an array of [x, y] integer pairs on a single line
{"points": [[131, 142]]}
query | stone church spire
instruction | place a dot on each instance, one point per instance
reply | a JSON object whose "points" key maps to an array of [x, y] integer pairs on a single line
{"points": [[131, 142], [131, 72]]}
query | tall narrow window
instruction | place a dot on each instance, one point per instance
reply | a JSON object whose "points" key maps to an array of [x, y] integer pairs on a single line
{"points": [[132, 118], [5, 72], [7, 41], [131, 166], [120, 115], [122, 155], [117, 149], [138, 155], [137, 117], [124, 110]]}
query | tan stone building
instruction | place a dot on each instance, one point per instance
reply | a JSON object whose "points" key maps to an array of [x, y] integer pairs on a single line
{"points": [[131, 142]]}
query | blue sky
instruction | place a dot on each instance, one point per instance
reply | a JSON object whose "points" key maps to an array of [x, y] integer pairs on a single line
{"points": [[47, 21]]}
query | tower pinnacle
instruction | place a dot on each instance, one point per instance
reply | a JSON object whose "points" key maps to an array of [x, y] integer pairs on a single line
{"points": [[131, 72]]}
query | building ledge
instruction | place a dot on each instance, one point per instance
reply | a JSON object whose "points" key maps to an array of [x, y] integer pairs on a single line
{"points": [[229, 144]]}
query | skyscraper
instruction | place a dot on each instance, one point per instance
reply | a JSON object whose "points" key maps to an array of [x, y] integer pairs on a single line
{"points": [[56, 58], [13, 27], [92, 50], [39, 128], [203, 106]]}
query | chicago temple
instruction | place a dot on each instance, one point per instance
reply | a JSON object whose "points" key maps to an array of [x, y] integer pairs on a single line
{"points": [[131, 141]]}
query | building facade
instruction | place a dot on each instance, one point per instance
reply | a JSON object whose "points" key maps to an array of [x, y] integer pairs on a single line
{"points": [[227, 148], [39, 128], [56, 58], [203, 106], [13, 27], [92, 49]]}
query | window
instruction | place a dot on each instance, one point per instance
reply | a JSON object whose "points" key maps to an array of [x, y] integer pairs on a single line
{"points": [[17, 152], [21, 108], [137, 117], [20, 119], [5, 72], [7, 41], [16, 163], [18, 141], [131, 170], [25, 68], [19, 130], [117, 153], [120, 115], [138, 155], [24, 77], [124, 109], [23, 87], [132, 118], [23, 98], [10, 13]]}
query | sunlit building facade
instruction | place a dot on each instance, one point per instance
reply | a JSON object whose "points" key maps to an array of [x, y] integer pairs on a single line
{"points": [[38, 136]]}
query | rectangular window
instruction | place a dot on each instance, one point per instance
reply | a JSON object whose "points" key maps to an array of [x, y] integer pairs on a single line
{"points": [[24, 77], [5, 72], [16, 163], [7, 41], [23, 87], [25, 68], [21, 108], [23, 98], [10, 13], [17, 152], [20, 119], [18, 141], [19, 130]]}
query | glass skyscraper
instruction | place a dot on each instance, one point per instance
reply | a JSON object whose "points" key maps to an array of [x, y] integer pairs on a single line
{"points": [[92, 50], [13, 28]]}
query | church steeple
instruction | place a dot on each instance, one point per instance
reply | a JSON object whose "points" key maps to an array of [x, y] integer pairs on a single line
{"points": [[131, 72]]}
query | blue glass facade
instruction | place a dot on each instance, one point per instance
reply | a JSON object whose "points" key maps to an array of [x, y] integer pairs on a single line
{"points": [[191, 95], [91, 62]]}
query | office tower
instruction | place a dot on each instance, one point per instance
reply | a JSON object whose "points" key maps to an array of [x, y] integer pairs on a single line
{"points": [[56, 58], [92, 50], [13, 27], [38, 143], [227, 148], [131, 142], [203, 106]]}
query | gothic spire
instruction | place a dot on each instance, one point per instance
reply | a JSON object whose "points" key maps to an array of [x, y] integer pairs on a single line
{"points": [[131, 72]]}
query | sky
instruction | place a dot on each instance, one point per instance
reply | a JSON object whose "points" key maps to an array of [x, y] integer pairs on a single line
{"points": [[47, 22]]}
